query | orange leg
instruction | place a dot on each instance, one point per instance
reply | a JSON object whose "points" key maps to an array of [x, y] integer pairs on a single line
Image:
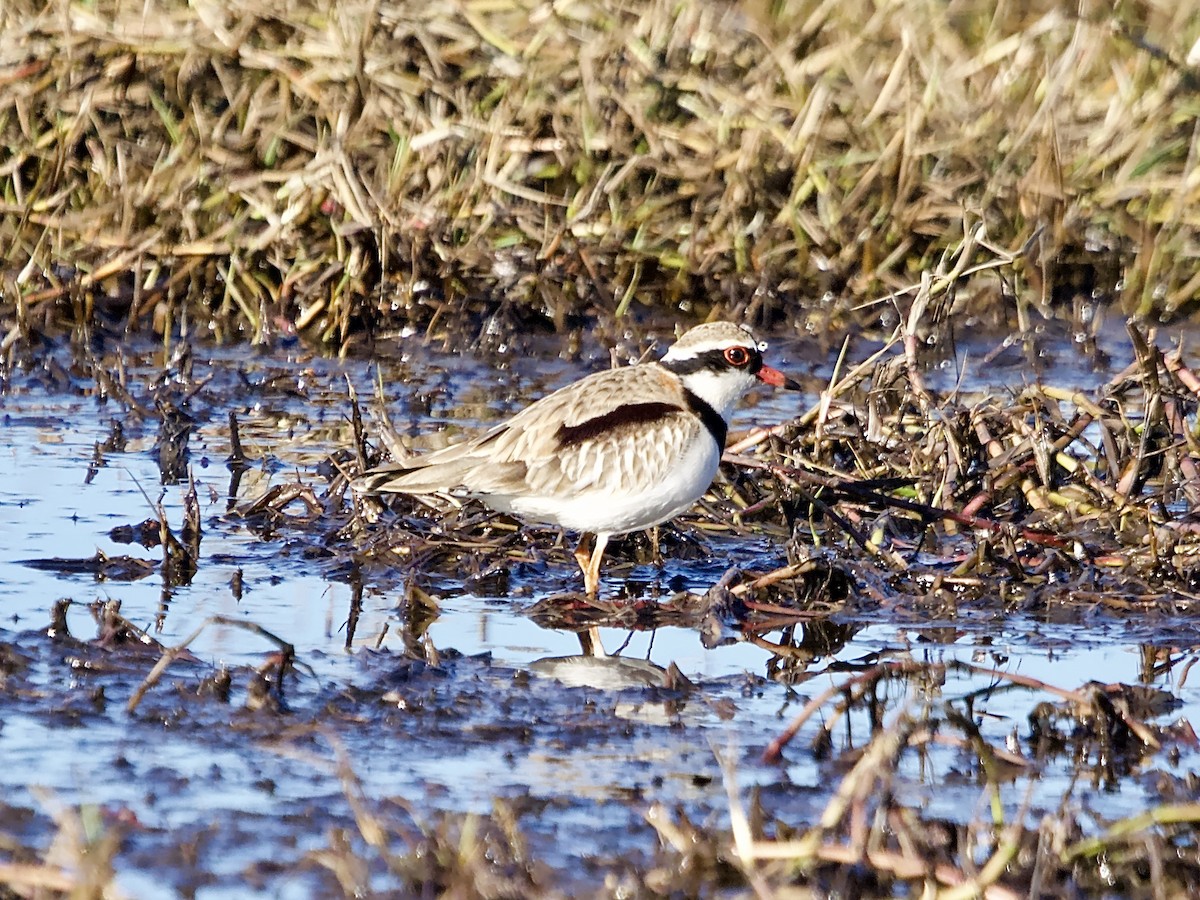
{"points": [[589, 564], [584, 558], [592, 574]]}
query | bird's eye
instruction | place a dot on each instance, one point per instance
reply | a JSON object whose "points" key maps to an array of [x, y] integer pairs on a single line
{"points": [[737, 356]]}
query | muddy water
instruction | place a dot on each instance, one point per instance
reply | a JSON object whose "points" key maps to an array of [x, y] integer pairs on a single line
{"points": [[214, 799]]}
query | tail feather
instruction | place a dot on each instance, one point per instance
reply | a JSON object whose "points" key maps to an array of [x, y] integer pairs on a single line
{"points": [[415, 479]]}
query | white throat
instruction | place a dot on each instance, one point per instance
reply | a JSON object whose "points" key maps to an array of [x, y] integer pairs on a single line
{"points": [[720, 390]]}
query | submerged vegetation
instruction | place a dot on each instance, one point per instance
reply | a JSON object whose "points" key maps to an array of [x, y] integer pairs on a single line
{"points": [[949, 515], [332, 167], [354, 170]]}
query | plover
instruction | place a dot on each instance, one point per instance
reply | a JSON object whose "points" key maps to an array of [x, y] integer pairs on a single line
{"points": [[614, 452]]}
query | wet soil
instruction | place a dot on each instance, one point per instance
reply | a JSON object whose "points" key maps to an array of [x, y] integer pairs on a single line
{"points": [[346, 720]]}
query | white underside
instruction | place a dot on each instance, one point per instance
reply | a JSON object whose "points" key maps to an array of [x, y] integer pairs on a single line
{"points": [[635, 507]]}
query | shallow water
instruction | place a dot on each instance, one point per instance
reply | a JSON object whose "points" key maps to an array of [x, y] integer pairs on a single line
{"points": [[495, 721]]}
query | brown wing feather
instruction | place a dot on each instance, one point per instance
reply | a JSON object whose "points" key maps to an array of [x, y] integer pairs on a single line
{"points": [[618, 459], [591, 434], [594, 433]]}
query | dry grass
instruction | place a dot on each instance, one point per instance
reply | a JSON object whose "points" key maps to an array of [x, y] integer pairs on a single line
{"points": [[326, 166], [340, 168], [1092, 490]]}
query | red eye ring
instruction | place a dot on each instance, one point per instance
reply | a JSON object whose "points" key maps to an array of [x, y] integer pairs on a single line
{"points": [[737, 356]]}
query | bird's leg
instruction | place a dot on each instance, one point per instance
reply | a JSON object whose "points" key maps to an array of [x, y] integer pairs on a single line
{"points": [[591, 575], [584, 558], [589, 642], [589, 563]]}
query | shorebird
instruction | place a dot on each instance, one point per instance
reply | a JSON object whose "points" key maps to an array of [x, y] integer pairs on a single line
{"points": [[614, 452]]}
